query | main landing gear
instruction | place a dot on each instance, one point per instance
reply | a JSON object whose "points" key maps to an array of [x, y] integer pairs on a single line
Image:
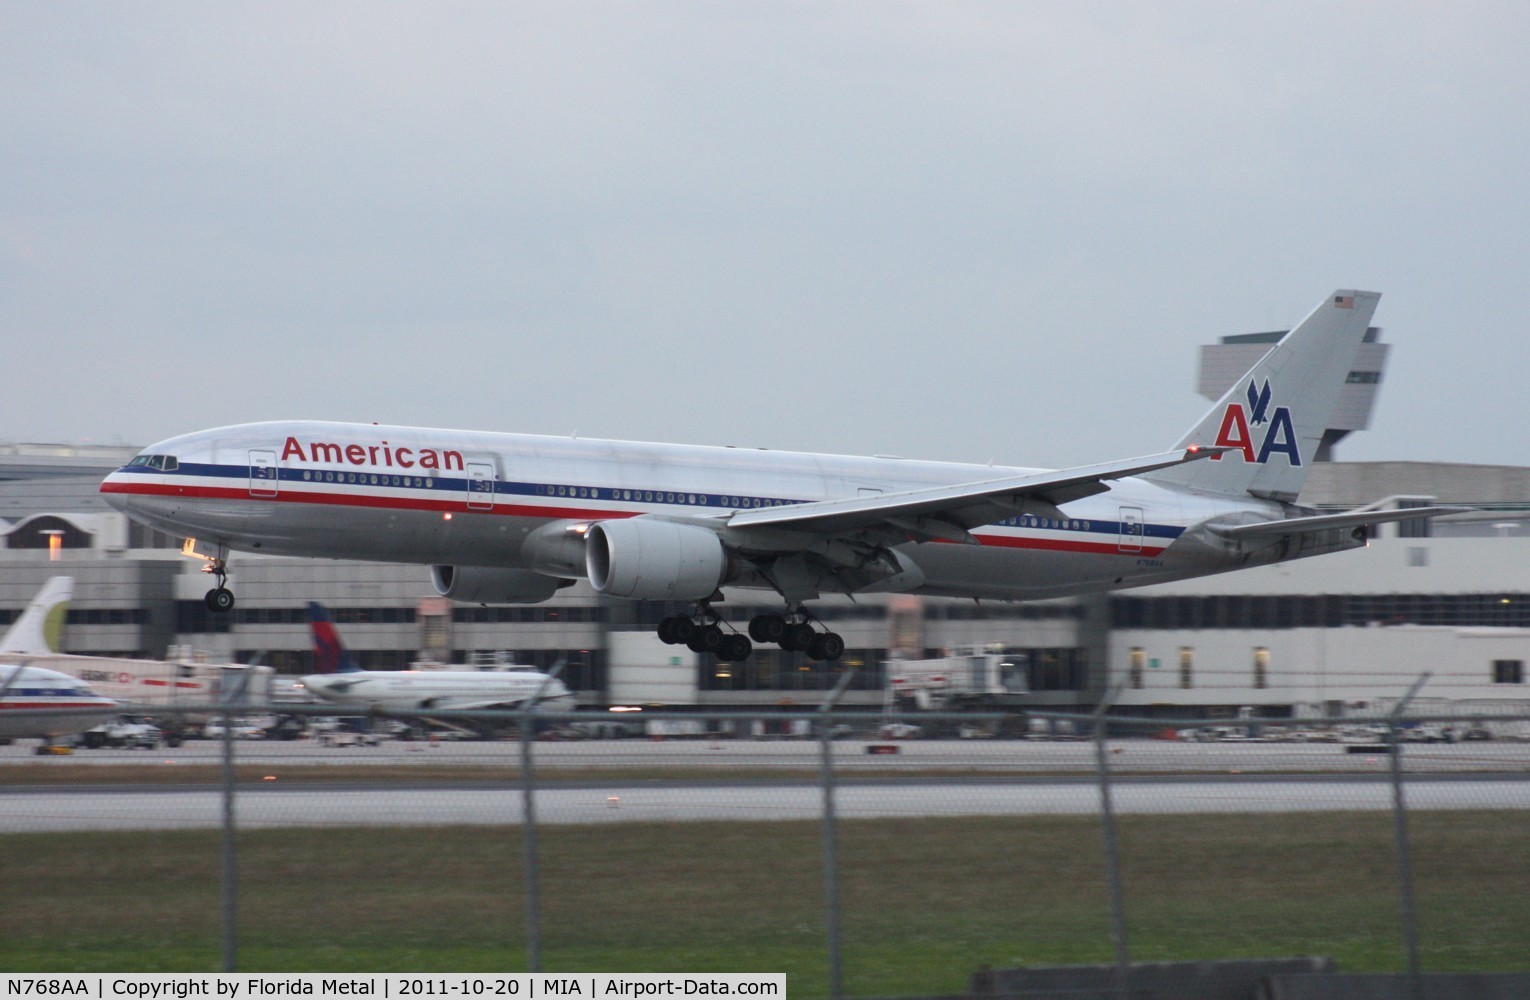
{"points": [[795, 634], [219, 600], [703, 633]]}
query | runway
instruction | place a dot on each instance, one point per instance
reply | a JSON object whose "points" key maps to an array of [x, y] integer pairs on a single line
{"points": [[729, 756], [634, 780], [33, 809]]}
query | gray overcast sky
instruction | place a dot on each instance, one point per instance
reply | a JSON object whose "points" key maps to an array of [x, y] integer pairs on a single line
{"points": [[947, 230]]}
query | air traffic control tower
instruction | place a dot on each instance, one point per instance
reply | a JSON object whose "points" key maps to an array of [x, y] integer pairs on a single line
{"points": [[1224, 363]]}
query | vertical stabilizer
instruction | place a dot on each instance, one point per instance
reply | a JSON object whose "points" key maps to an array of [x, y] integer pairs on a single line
{"points": [[40, 629], [1273, 418], [329, 654]]}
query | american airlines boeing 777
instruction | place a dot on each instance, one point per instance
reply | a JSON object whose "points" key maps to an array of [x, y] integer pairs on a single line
{"points": [[512, 518]]}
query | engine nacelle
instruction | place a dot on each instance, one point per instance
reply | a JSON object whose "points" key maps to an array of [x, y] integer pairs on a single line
{"points": [[494, 585], [654, 560]]}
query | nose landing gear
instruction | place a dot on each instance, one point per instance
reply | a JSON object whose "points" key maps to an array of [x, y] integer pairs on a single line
{"points": [[219, 600]]}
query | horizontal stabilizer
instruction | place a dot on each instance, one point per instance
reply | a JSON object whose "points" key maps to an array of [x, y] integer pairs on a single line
{"points": [[1320, 522]]}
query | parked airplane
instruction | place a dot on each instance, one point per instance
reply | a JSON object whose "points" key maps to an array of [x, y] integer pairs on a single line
{"points": [[48, 704], [35, 637], [37, 702], [341, 681], [512, 518], [34, 701]]}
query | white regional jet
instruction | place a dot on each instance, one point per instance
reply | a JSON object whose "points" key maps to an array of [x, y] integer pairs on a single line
{"points": [[511, 518], [340, 680]]}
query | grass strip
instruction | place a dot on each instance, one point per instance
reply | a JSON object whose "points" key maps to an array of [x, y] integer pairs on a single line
{"points": [[925, 901]]}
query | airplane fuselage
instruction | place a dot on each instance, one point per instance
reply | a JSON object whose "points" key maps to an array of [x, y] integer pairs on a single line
{"points": [[46, 703], [441, 689], [464, 498]]}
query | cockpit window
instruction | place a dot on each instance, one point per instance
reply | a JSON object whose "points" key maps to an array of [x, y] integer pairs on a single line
{"points": [[165, 463]]}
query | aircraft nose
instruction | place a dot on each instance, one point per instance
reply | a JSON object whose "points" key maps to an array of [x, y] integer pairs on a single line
{"points": [[116, 490], [109, 492]]}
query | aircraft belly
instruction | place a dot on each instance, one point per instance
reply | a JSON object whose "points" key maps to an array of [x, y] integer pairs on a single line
{"points": [[1013, 573], [22, 725], [344, 532]]}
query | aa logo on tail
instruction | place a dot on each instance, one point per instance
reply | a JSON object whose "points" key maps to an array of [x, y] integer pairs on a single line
{"points": [[1279, 437]]}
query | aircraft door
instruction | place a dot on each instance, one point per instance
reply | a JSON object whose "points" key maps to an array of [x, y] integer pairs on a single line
{"points": [[1131, 529], [263, 474], [480, 486]]}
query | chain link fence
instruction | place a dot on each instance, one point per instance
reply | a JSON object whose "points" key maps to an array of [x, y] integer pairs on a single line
{"points": [[863, 854]]}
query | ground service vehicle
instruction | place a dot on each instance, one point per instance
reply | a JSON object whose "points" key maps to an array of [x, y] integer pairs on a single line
{"points": [[985, 676]]}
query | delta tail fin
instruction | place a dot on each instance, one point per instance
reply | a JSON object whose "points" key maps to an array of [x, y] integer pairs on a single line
{"points": [[1273, 418], [39, 631], [329, 654]]}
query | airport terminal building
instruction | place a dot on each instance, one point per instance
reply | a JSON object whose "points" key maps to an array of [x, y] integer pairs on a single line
{"points": [[1336, 634]]}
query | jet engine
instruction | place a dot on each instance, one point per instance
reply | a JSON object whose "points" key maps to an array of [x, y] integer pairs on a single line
{"points": [[654, 560], [493, 585]]}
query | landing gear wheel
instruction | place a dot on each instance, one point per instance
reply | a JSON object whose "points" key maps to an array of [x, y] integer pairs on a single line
{"points": [[667, 629], [767, 628], [706, 639], [682, 629], [219, 600], [826, 646], [798, 638], [734, 648]]}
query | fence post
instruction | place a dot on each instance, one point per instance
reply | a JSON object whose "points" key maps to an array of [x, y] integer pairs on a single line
{"points": [[1404, 854], [529, 825], [1112, 847], [230, 858], [830, 854]]}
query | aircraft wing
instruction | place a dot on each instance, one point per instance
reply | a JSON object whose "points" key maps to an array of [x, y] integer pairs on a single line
{"points": [[1319, 522], [948, 512]]}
